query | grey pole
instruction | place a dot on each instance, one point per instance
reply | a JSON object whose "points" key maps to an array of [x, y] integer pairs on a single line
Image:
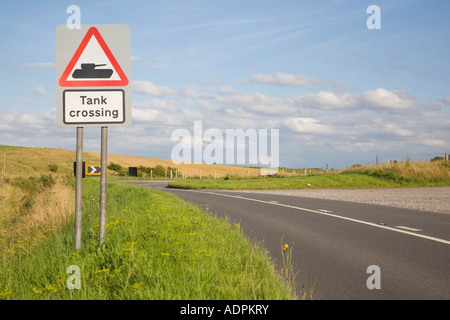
{"points": [[78, 188], [104, 144]]}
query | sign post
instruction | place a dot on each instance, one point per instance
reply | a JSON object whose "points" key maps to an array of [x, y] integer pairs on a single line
{"points": [[78, 188], [104, 142], [93, 68]]}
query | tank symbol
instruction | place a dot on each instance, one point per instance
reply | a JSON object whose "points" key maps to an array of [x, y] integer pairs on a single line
{"points": [[88, 71]]}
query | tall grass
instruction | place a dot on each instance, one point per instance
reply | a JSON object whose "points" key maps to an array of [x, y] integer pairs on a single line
{"points": [[425, 173], [156, 246], [31, 208]]}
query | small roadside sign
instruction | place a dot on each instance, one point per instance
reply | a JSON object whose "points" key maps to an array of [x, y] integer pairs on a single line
{"points": [[93, 72], [93, 170]]}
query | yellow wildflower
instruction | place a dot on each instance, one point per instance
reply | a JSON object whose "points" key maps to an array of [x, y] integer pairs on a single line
{"points": [[5, 293], [137, 285], [51, 287]]}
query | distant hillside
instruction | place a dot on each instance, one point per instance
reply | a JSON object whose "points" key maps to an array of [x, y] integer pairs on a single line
{"points": [[24, 161]]}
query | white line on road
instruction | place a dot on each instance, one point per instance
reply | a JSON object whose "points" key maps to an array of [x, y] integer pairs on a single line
{"points": [[408, 228], [331, 215]]}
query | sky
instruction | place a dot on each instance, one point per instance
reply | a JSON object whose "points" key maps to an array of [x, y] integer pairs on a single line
{"points": [[339, 92]]}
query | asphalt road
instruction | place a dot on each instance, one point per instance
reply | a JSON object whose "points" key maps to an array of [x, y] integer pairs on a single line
{"points": [[336, 242]]}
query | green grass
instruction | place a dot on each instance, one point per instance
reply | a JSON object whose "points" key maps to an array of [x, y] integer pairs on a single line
{"points": [[424, 174], [156, 246], [298, 182]]}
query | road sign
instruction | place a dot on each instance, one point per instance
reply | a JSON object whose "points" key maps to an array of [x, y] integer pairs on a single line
{"points": [[93, 71], [93, 64], [93, 169], [97, 106]]}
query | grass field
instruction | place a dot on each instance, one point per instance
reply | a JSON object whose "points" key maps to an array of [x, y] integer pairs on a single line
{"points": [[156, 246], [420, 174], [22, 161]]}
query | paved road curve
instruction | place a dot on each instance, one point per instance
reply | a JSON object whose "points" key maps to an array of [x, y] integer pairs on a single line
{"points": [[335, 242]]}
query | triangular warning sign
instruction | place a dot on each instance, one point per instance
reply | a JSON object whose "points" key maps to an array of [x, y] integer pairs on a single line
{"points": [[93, 65]]}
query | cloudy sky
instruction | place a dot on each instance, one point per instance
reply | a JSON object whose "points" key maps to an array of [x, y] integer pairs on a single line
{"points": [[338, 92]]}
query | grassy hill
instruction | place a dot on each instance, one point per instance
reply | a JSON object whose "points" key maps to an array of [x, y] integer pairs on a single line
{"points": [[21, 161]]}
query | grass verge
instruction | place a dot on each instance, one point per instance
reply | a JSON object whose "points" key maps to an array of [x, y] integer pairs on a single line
{"points": [[423, 174], [156, 246]]}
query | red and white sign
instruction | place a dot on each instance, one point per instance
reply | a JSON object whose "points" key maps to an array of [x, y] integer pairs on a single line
{"points": [[93, 65]]}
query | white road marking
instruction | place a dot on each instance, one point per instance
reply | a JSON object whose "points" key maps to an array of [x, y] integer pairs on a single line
{"points": [[408, 228], [418, 235]]}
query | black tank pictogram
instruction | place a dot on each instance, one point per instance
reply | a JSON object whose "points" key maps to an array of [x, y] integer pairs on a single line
{"points": [[88, 71]]}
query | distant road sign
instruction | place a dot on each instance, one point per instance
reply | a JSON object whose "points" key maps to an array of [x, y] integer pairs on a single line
{"points": [[93, 71], [93, 169]]}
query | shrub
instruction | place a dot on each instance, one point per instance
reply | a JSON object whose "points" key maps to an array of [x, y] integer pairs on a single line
{"points": [[159, 171], [115, 167]]}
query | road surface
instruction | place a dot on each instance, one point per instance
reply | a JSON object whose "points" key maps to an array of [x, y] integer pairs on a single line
{"points": [[342, 248]]}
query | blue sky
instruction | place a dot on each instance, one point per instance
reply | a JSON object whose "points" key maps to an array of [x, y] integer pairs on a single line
{"points": [[338, 92]]}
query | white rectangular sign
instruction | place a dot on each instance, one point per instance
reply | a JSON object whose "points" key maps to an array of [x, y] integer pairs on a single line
{"points": [[93, 106]]}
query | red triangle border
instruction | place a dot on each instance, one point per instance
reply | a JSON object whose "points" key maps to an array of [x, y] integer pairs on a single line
{"points": [[93, 31]]}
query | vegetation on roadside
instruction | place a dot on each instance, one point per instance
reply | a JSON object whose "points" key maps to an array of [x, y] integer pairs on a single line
{"points": [[31, 208], [156, 246], [407, 174], [157, 171]]}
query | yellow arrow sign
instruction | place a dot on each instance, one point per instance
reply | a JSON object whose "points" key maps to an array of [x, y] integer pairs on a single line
{"points": [[93, 169]]}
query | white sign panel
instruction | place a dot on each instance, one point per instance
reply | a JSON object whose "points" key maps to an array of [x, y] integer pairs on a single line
{"points": [[94, 106]]}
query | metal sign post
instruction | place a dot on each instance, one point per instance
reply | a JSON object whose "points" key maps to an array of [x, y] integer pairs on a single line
{"points": [[104, 145], [78, 188]]}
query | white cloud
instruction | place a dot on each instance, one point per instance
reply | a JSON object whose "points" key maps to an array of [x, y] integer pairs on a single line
{"points": [[446, 101], [434, 142], [325, 100], [306, 125], [394, 100], [397, 130], [39, 91], [150, 88], [284, 79], [299, 80], [311, 125], [41, 64]]}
